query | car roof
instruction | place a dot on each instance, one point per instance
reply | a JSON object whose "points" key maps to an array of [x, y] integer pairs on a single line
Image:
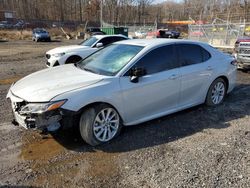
{"points": [[103, 36], [156, 42]]}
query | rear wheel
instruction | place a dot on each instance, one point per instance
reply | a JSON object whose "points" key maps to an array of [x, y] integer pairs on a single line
{"points": [[99, 124], [216, 92]]}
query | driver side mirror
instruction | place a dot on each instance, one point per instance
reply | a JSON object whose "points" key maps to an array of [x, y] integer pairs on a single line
{"points": [[136, 73], [99, 45]]}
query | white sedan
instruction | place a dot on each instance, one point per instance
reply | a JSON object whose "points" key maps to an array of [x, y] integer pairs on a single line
{"points": [[126, 83], [74, 53]]}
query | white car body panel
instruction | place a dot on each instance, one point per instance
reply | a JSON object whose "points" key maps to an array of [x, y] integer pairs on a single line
{"points": [[39, 87], [153, 96], [74, 50], [81, 52]]}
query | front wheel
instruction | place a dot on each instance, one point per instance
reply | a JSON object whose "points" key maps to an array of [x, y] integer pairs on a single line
{"points": [[99, 124], [216, 92]]}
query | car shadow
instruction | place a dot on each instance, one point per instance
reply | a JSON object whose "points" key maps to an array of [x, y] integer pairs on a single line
{"points": [[55, 40], [168, 128]]}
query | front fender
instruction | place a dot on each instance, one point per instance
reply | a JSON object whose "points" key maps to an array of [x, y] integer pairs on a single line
{"points": [[106, 91]]}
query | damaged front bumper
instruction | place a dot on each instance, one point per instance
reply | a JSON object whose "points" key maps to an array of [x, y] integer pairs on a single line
{"points": [[46, 117]]}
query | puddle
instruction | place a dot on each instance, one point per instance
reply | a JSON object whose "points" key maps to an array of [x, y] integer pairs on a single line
{"points": [[9, 80], [35, 147], [56, 164]]}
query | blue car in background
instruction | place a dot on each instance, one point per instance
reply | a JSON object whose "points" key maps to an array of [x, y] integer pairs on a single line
{"points": [[40, 34]]}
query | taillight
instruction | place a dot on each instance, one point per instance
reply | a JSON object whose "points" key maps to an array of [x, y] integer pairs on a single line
{"points": [[234, 62]]}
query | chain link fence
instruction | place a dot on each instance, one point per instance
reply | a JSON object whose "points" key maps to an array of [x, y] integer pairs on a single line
{"points": [[217, 34]]}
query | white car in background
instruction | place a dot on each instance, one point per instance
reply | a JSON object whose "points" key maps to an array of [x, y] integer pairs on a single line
{"points": [[125, 83], [74, 53]]}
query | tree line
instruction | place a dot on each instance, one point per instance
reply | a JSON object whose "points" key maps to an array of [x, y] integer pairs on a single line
{"points": [[123, 12]]}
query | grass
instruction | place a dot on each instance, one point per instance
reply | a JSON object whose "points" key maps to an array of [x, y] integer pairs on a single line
{"points": [[26, 34]]}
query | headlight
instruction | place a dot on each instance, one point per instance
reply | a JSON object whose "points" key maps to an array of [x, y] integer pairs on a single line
{"points": [[58, 54], [38, 108]]}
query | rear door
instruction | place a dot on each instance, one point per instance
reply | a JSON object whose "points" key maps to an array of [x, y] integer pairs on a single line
{"points": [[196, 70]]}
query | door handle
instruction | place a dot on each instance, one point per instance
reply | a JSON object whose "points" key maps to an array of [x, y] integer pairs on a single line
{"points": [[209, 68], [173, 77]]}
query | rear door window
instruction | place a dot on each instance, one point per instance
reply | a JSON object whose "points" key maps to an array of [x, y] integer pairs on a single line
{"points": [[189, 54]]}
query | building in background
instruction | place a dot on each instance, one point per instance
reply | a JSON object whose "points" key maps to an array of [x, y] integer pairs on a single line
{"points": [[6, 15]]}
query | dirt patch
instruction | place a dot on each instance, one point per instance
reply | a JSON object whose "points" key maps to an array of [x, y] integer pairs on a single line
{"points": [[9, 80], [102, 164], [38, 147], [199, 147]]}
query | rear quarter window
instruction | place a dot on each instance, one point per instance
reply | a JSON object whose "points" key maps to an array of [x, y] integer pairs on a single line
{"points": [[190, 54], [205, 55]]}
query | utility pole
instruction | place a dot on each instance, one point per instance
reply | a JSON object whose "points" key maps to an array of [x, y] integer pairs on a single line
{"points": [[101, 9], [80, 10]]}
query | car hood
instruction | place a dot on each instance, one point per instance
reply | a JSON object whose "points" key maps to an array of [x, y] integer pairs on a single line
{"points": [[70, 48], [44, 85]]}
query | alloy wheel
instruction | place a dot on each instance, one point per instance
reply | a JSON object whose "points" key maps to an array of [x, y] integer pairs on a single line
{"points": [[218, 92], [106, 124]]}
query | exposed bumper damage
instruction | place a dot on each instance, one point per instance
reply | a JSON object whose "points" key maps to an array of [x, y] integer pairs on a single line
{"points": [[47, 120]]}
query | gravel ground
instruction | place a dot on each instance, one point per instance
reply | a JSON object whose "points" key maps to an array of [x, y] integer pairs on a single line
{"points": [[199, 147]]}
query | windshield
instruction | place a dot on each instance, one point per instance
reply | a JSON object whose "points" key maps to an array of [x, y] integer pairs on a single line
{"points": [[41, 31], [89, 42], [110, 60]]}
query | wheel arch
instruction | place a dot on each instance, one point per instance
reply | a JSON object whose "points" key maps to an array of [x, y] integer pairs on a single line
{"points": [[73, 56], [225, 79], [222, 77], [99, 103]]}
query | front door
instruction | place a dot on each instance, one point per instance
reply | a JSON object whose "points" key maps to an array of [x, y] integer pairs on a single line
{"points": [[155, 93]]}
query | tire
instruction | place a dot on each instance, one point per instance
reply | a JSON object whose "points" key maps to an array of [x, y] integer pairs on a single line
{"points": [[73, 59], [216, 93], [36, 40], [244, 70], [93, 130]]}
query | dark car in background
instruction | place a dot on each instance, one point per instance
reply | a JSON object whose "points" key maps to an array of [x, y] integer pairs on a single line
{"points": [[95, 31], [40, 34], [5, 25], [165, 33]]}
